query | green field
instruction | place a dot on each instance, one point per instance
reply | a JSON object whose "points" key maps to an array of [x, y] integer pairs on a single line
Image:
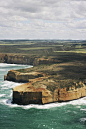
{"points": [[74, 51], [43, 47], [69, 54], [35, 48]]}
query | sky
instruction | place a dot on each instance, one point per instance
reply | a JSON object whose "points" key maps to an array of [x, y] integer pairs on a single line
{"points": [[43, 19]]}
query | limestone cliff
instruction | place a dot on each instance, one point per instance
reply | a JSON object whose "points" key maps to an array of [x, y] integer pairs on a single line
{"points": [[65, 95], [28, 94], [26, 59], [49, 83], [19, 59], [21, 77], [2, 58], [42, 60]]}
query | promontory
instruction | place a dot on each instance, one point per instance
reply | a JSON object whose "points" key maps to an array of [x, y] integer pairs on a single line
{"points": [[58, 73], [49, 83]]}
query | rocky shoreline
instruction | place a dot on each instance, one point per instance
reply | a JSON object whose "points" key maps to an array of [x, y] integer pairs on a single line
{"points": [[32, 93], [26, 60], [48, 81]]}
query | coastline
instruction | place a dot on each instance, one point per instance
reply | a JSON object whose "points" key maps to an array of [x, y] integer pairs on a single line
{"points": [[50, 80], [43, 89]]}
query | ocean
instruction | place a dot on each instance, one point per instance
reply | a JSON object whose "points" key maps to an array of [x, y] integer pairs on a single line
{"points": [[66, 115]]}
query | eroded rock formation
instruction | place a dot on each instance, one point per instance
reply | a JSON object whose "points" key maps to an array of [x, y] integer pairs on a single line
{"points": [[28, 94], [44, 88], [42, 60], [2, 58], [49, 83], [19, 59], [21, 77], [26, 59]]}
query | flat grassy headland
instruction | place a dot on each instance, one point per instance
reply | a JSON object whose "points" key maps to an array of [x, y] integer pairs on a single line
{"points": [[60, 75], [61, 62]]}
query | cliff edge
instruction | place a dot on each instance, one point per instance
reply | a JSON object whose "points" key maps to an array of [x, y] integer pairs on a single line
{"points": [[49, 83], [16, 76], [29, 94]]}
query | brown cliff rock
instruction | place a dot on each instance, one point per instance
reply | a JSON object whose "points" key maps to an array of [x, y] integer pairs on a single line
{"points": [[2, 60], [26, 59], [65, 95], [21, 77], [28, 94], [39, 61], [49, 83], [19, 59]]}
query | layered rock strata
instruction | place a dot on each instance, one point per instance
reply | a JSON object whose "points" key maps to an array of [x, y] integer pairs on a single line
{"points": [[16, 76], [19, 59], [39, 61], [2, 58], [43, 87], [30, 60], [27, 94]]}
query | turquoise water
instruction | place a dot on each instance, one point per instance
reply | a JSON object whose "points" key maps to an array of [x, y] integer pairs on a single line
{"points": [[68, 115]]}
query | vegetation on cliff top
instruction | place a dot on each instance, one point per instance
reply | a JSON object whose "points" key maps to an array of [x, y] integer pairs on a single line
{"points": [[60, 75], [71, 53]]}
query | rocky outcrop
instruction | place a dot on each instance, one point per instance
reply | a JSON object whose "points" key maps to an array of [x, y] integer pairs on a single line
{"points": [[65, 95], [39, 61], [2, 58], [41, 89], [26, 59], [48, 83], [16, 76], [19, 59], [28, 94]]}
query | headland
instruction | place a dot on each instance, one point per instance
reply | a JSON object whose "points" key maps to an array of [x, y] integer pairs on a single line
{"points": [[58, 73]]}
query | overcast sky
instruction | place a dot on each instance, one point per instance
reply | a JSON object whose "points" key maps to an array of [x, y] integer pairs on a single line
{"points": [[42, 19]]}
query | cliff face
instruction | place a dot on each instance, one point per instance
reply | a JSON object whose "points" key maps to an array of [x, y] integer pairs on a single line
{"points": [[21, 77], [30, 60], [39, 61], [27, 94], [71, 94], [17, 59], [49, 83], [41, 89], [2, 58], [27, 98]]}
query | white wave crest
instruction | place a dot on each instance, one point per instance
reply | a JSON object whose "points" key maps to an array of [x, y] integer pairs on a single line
{"points": [[9, 84], [83, 120], [5, 64], [2, 70], [2, 95], [46, 106]]}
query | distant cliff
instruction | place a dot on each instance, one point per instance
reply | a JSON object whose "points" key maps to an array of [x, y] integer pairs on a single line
{"points": [[54, 82], [19, 59], [26, 59], [2, 60]]}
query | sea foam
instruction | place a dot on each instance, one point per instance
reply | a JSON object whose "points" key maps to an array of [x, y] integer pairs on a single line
{"points": [[2, 95], [7, 85], [81, 101]]}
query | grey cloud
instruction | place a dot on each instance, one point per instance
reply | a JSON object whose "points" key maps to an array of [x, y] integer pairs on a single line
{"points": [[66, 16], [48, 9]]}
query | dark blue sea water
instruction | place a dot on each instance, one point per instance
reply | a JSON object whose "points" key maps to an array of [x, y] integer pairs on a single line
{"points": [[68, 115]]}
